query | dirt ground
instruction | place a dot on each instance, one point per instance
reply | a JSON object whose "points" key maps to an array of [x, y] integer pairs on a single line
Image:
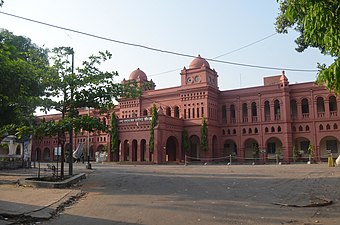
{"points": [[211, 194]]}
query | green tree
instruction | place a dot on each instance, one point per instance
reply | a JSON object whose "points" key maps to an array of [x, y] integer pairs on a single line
{"points": [[24, 66], [68, 90], [153, 123], [185, 140], [114, 133], [318, 23], [204, 135]]}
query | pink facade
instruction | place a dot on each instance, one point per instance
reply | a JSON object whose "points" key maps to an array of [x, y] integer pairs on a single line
{"points": [[261, 122]]}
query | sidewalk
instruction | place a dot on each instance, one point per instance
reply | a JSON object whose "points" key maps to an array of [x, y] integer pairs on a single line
{"points": [[19, 203]]}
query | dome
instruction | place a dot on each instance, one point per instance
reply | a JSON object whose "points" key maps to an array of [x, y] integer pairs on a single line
{"points": [[198, 62], [138, 75]]}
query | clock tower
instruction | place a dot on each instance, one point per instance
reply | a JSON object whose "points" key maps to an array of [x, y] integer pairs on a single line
{"points": [[199, 72]]}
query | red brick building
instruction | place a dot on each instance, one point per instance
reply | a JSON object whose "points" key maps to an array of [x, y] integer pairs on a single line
{"points": [[277, 117]]}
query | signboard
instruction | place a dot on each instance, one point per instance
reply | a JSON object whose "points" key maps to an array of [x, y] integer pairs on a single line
{"points": [[57, 151]]}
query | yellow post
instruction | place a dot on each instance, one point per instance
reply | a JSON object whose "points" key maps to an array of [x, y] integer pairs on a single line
{"points": [[330, 161]]}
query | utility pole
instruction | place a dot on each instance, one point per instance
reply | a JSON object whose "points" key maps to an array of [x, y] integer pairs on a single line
{"points": [[70, 156]]}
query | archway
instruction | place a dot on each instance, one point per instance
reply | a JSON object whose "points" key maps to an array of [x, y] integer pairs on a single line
{"points": [[46, 156], [36, 155], [274, 146], [329, 144], [194, 147], [126, 150], [229, 148], [300, 146], [143, 150], [134, 150], [214, 147], [91, 152], [251, 149], [172, 149]]}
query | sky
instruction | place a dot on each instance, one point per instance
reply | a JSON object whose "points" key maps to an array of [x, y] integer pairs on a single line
{"points": [[209, 28]]}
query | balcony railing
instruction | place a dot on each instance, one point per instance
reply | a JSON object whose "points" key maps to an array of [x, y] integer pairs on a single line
{"points": [[321, 114], [245, 119], [254, 119], [305, 115], [277, 117], [333, 113]]}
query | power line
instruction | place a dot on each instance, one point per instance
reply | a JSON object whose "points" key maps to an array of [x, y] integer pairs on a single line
{"points": [[232, 51], [238, 49], [157, 49]]}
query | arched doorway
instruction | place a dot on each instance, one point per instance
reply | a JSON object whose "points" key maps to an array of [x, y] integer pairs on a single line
{"points": [[134, 150], [142, 150], [46, 156], [301, 148], [37, 155], [274, 146], [214, 147], [91, 152], [172, 149], [329, 144], [251, 149], [126, 151], [229, 148], [194, 147]]}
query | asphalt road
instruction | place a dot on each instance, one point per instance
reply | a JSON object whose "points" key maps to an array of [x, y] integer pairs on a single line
{"points": [[212, 194]]}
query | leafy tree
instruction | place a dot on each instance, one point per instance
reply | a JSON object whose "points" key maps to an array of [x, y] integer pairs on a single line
{"points": [[153, 123], [185, 140], [204, 135], [24, 66], [318, 23], [114, 133], [68, 90]]}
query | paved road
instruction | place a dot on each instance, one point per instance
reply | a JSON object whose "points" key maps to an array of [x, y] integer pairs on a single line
{"points": [[171, 195]]}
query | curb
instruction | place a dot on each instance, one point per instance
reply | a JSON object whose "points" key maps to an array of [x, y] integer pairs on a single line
{"points": [[28, 182]]}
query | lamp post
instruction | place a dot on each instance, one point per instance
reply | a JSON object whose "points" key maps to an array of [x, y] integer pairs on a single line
{"points": [[88, 166]]}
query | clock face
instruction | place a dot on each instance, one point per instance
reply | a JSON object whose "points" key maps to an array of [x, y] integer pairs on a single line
{"points": [[197, 79], [189, 80]]}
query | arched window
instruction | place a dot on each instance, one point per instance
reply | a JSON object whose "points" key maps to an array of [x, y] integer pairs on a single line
{"points": [[266, 130], [305, 108], [145, 112], [176, 112], [256, 130], [223, 131], [228, 131], [294, 128], [266, 111], [321, 127], [250, 131], [279, 129], [224, 113], [300, 128], [245, 112], [335, 126], [277, 110], [293, 109], [234, 131], [232, 114], [254, 112], [272, 129], [168, 111], [307, 128], [244, 131], [333, 105], [320, 107], [328, 127]]}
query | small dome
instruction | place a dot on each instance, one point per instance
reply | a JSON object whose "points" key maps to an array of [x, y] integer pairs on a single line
{"points": [[138, 75], [198, 62]]}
